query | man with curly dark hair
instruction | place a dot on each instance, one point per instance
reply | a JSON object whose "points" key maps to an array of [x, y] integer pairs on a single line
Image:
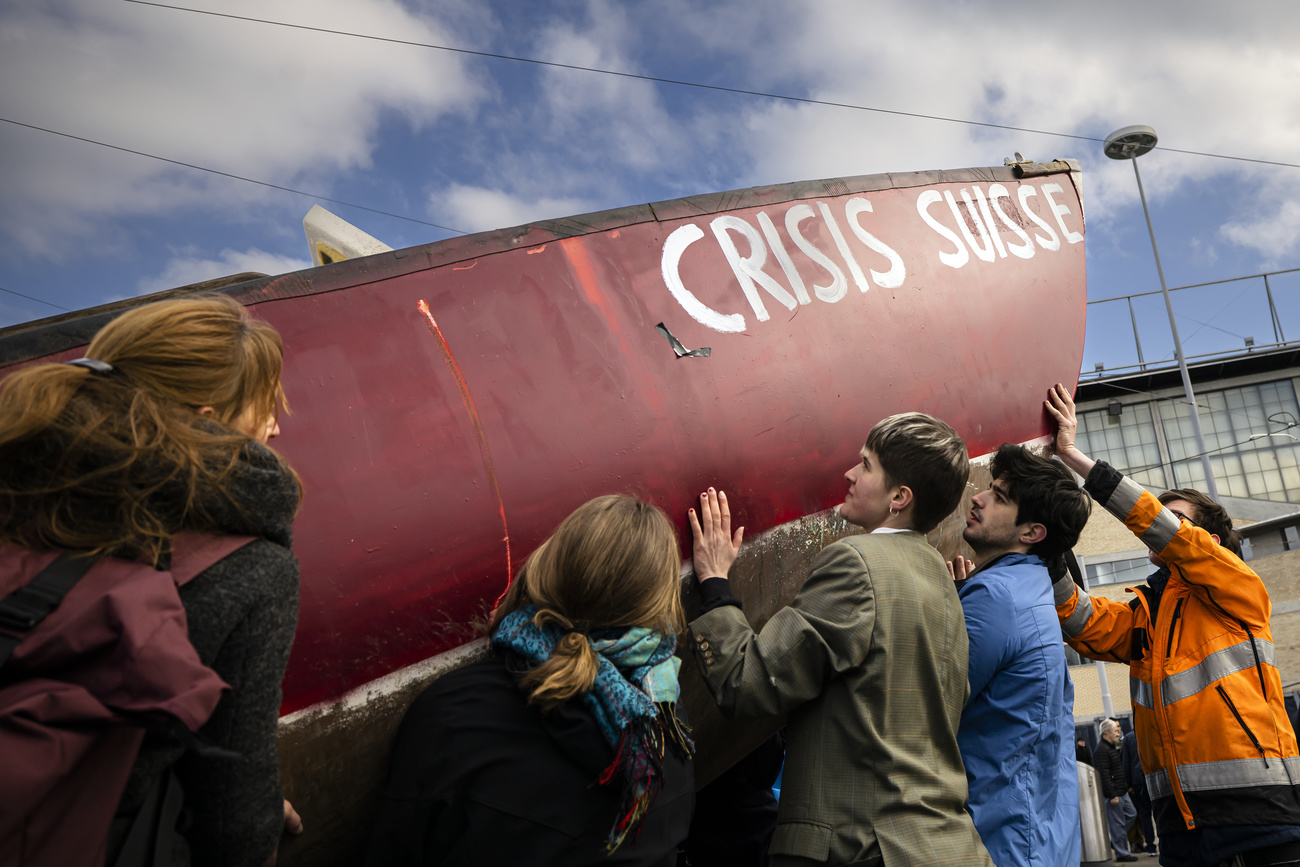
{"points": [[1017, 729]]}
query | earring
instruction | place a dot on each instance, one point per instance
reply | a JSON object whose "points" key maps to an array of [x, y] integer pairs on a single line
{"points": [[892, 513]]}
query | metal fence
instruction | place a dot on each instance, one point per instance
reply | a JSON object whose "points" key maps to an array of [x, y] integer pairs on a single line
{"points": [[1227, 323]]}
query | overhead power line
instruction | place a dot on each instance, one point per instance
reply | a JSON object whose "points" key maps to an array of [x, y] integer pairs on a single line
{"points": [[30, 298], [695, 84], [230, 175]]}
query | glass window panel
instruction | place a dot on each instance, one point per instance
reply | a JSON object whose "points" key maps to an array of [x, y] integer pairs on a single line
{"points": [[1119, 572], [1243, 467], [1189, 474]]}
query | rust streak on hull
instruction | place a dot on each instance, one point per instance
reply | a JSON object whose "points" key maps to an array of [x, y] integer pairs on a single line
{"points": [[472, 411]]}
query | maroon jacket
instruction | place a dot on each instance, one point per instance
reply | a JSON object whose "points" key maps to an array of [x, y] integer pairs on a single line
{"points": [[76, 693]]}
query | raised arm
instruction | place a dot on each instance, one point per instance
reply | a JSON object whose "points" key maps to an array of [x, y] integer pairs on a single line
{"points": [[1061, 407], [1213, 571]]}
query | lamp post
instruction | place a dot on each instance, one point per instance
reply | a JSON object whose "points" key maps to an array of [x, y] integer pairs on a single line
{"points": [[1130, 143]]}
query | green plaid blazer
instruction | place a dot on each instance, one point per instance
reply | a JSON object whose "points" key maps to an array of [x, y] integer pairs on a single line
{"points": [[869, 664]]}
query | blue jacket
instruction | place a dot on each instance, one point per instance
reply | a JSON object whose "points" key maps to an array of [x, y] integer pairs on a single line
{"points": [[1017, 730]]}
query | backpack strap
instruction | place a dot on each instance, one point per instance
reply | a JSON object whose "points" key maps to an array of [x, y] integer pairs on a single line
{"points": [[153, 835], [27, 606]]}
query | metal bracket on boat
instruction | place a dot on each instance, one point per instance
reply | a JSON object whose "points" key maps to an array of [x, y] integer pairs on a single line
{"points": [[682, 352], [1029, 169]]}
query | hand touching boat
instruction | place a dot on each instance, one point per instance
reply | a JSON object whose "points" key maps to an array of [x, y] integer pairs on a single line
{"points": [[715, 546]]}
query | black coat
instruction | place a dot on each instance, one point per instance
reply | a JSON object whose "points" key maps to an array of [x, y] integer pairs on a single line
{"points": [[480, 777], [1109, 762]]}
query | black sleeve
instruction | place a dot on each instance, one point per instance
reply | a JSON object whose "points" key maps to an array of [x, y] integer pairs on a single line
{"points": [[715, 593], [1102, 481], [242, 615]]}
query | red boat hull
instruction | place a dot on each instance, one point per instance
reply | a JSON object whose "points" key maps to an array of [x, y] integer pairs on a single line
{"points": [[453, 402]]}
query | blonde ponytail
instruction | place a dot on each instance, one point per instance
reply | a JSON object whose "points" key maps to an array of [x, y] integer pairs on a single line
{"points": [[614, 562], [569, 672]]}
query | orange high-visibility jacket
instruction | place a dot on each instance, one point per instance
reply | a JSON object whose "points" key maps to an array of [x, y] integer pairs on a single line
{"points": [[1213, 735]]}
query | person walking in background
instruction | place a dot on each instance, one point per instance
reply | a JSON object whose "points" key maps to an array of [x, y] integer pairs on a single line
{"points": [[1017, 730], [1137, 791], [868, 663], [1109, 760]]}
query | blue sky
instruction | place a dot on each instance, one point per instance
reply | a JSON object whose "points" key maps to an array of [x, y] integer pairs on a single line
{"points": [[476, 143]]}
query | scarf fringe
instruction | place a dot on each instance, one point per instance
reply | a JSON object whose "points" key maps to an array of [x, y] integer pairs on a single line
{"points": [[639, 762], [631, 700]]}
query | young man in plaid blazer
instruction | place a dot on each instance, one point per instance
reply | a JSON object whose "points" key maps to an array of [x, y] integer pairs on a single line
{"points": [[868, 663]]}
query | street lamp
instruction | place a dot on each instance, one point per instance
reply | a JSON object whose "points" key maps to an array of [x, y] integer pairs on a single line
{"points": [[1130, 143]]}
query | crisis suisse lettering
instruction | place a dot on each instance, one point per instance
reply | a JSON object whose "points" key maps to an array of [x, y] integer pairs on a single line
{"points": [[975, 232]]}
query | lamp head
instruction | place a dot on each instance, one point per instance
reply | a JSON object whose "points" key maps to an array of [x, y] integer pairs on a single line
{"points": [[1130, 142]]}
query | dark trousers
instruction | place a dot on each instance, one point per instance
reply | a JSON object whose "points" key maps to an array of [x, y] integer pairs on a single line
{"points": [[1143, 804]]}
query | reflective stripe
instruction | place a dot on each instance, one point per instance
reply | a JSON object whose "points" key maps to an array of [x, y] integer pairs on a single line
{"points": [[1238, 773], [1063, 589], [1219, 664], [1161, 531], [1140, 692], [1234, 774], [1074, 624], [1158, 785], [1124, 498]]}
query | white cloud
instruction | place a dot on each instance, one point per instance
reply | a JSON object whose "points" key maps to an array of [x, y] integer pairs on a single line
{"points": [[1273, 234], [188, 268], [1212, 79], [476, 209], [616, 119], [266, 102], [484, 143]]}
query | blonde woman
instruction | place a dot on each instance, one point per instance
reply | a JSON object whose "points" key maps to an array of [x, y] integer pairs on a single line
{"points": [[563, 746], [163, 429]]}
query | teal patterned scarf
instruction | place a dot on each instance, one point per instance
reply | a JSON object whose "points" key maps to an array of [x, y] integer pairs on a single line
{"points": [[631, 700]]}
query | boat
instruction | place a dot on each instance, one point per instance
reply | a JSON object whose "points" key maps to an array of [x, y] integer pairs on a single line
{"points": [[452, 402]]}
